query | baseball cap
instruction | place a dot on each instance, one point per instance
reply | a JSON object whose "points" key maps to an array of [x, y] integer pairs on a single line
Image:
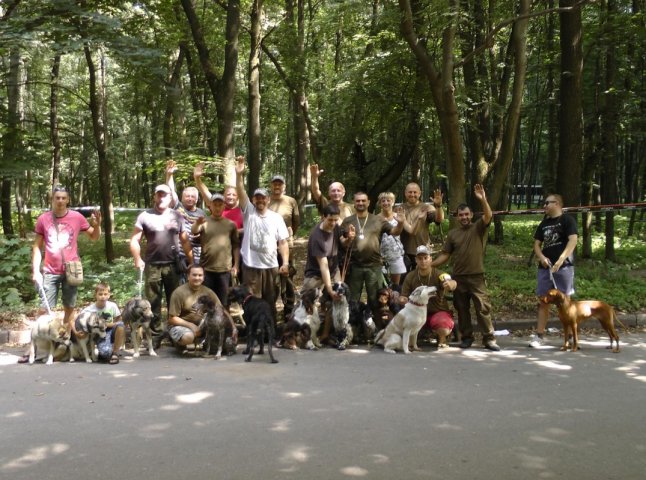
{"points": [[423, 250], [163, 188], [261, 191], [278, 178], [217, 196]]}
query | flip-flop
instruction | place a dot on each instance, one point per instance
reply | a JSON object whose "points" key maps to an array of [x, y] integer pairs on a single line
{"points": [[114, 359]]}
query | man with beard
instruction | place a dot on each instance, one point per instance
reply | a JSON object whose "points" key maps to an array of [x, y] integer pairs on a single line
{"points": [[336, 192], [265, 237], [465, 245], [163, 228], [365, 252]]}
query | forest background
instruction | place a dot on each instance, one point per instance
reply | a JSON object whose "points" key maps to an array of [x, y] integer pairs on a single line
{"points": [[98, 95]]}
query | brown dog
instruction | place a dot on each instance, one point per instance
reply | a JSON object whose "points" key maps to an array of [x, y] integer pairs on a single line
{"points": [[571, 313]]}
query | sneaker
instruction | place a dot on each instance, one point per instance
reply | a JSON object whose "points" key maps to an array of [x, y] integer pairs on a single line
{"points": [[466, 343], [536, 341], [491, 345]]}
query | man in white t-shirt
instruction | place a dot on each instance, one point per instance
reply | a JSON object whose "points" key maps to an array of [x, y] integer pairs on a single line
{"points": [[265, 236]]}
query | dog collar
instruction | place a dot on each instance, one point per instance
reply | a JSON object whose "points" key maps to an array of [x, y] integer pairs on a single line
{"points": [[246, 299], [416, 304]]}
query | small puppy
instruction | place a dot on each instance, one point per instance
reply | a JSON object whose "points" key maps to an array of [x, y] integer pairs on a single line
{"points": [[138, 314], [361, 321], [304, 323], [341, 316], [402, 330], [571, 313], [93, 326], [216, 324], [48, 330], [258, 316]]}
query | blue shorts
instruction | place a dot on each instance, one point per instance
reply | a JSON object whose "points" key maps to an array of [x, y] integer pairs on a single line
{"points": [[564, 280]]}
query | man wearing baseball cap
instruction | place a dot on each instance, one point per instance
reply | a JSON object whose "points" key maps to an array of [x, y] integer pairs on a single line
{"points": [[265, 237], [286, 207]]}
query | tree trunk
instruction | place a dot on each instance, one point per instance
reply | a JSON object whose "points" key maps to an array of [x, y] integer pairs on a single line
{"points": [[172, 97], [53, 120], [97, 106], [253, 110]]}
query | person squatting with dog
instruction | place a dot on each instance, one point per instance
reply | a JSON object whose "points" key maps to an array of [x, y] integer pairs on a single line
{"points": [[164, 229], [188, 209], [220, 249], [365, 250], [418, 216], [439, 316], [183, 320], [465, 245], [286, 207], [555, 240], [266, 236]]}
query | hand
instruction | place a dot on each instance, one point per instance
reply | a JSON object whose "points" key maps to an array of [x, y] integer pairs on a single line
{"points": [[200, 220], [240, 164], [234, 271], [479, 192], [351, 232], [449, 285], [37, 277], [284, 270], [139, 263], [198, 170], [400, 216], [314, 170], [556, 267], [437, 198], [171, 167], [545, 262], [95, 218]]}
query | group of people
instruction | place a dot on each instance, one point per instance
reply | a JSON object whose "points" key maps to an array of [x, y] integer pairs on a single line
{"points": [[189, 253]]}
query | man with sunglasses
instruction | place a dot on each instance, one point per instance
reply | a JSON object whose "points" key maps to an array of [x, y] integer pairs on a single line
{"points": [[554, 243]]}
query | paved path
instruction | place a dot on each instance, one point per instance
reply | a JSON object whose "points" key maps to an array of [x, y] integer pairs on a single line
{"points": [[517, 414]]}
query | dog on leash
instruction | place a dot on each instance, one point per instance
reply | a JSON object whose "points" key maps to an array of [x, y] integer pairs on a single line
{"points": [[401, 332], [48, 331], [302, 327], [341, 316], [571, 313], [92, 325], [258, 316], [218, 327], [138, 314]]}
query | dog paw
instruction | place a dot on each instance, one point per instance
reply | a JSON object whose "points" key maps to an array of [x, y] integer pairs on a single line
{"points": [[136, 355], [218, 357], [49, 362], [341, 347], [88, 360], [389, 350], [152, 353]]}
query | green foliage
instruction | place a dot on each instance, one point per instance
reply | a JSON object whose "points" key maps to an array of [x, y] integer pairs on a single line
{"points": [[15, 274]]}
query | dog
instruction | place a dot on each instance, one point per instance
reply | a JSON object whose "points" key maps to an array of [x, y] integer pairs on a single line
{"points": [[401, 332], [258, 316], [47, 331], [138, 313], [571, 313], [341, 316], [216, 324], [92, 325], [304, 323], [361, 321]]}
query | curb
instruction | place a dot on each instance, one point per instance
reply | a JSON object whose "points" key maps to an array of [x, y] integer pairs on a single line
{"points": [[23, 337]]}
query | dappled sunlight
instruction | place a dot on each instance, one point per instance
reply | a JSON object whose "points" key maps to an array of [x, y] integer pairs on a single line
{"points": [[476, 354], [8, 358], [380, 459], [633, 369], [154, 430], [422, 393], [354, 471], [170, 408], [358, 350], [122, 374], [292, 394], [448, 427], [14, 414], [551, 364], [293, 457], [281, 425], [36, 455], [165, 377], [192, 398]]}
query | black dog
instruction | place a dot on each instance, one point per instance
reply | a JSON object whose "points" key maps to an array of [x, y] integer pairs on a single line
{"points": [[218, 327], [361, 321], [258, 316]]}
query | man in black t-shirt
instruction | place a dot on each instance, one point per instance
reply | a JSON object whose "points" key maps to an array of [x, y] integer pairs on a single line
{"points": [[554, 243]]}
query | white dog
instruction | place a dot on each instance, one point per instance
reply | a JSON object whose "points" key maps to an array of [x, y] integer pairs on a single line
{"points": [[48, 330], [402, 330]]}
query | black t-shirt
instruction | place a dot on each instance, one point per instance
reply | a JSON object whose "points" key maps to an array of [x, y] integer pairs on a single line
{"points": [[554, 233], [322, 244]]}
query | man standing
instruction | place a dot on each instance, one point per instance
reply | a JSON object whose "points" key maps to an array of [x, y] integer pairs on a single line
{"points": [[220, 249], [365, 255], [265, 236], [419, 216], [286, 207], [465, 244], [163, 229], [336, 192], [183, 320], [57, 231], [554, 243]]}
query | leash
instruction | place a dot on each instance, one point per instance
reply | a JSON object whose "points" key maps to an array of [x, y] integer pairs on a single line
{"points": [[140, 283], [43, 297], [346, 260]]}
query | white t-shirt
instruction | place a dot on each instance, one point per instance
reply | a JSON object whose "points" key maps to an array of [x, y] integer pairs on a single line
{"points": [[261, 236], [111, 311]]}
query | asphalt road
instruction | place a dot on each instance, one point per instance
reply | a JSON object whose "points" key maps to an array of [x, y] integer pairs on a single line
{"points": [[517, 414]]}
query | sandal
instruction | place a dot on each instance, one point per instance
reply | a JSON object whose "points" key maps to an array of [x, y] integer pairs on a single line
{"points": [[114, 359]]}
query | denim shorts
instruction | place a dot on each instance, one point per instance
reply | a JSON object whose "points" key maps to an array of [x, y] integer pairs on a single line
{"points": [[563, 280], [176, 332], [52, 284]]}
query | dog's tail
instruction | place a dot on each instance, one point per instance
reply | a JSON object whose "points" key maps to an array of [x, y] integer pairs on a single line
{"points": [[616, 319]]}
